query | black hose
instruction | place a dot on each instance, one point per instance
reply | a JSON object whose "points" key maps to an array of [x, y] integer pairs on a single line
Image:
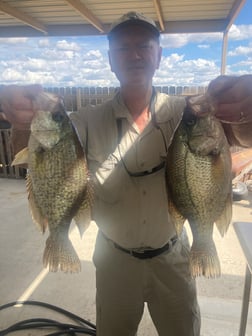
{"points": [[85, 327]]}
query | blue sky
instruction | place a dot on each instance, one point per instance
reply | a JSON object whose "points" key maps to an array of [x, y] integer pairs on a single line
{"points": [[188, 59]]}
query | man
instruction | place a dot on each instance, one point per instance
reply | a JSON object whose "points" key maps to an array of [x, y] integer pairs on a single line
{"points": [[138, 256]]}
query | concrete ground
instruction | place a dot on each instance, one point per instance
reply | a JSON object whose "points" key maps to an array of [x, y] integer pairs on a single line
{"points": [[22, 276]]}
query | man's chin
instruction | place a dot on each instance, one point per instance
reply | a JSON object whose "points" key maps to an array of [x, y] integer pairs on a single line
{"points": [[136, 80]]}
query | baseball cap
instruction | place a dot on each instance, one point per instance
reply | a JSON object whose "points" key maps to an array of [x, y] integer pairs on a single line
{"points": [[133, 18]]}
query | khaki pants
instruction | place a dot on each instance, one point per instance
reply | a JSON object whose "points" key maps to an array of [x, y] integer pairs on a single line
{"points": [[124, 283]]}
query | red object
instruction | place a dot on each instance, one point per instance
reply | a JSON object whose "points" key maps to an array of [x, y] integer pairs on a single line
{"points": [[242, 163]]}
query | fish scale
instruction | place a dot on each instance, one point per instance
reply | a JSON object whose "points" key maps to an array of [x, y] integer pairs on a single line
{"points": [[58, 181], [199, 188]]}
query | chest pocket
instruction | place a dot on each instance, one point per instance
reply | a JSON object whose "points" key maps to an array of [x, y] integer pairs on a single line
{"points": [[110, 179], [146, 154]]}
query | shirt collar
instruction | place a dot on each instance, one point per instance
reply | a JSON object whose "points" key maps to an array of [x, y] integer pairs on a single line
{"points": [[121, 110]]}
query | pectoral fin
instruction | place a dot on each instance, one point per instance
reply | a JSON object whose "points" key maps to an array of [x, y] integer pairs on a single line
{"points": [[21, 157], [222, 223]]}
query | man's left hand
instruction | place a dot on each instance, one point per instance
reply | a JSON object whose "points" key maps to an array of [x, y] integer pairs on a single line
{"points": [[232, 98]]}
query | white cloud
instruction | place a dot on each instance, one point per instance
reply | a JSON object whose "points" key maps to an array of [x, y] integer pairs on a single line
{"points": [[241, 50], [13, 40], [10, 75], [55, 54], [35, 64], [181, 40], [93, 58], [69, 54], [204, 46], [19, 76], [64, 45], [44, 43], [236, 32], [171, 60], [240, 32], [84, 61], [240, 68], [175, 70]]}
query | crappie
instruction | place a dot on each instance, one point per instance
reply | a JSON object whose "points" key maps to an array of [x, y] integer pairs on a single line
{"points": [[57, 181], [200, 188]]}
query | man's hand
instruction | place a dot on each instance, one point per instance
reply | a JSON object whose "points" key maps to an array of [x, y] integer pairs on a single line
{"points": [[17, 104], [233, 98]]}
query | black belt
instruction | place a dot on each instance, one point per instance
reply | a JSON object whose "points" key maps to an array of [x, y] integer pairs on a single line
{"points": [[145, 172], [150, 253]]}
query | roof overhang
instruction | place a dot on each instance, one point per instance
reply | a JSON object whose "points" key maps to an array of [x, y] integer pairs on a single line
{"points": [[25, 18]]}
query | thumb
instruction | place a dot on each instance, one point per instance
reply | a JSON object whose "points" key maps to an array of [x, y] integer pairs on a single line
{"points": [[220, 84]]}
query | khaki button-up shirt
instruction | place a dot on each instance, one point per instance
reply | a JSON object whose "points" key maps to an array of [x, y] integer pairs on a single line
{"points": [[132, 211]]}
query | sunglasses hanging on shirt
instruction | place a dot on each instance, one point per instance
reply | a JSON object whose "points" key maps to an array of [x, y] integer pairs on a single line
{"points": [[153, 120]]}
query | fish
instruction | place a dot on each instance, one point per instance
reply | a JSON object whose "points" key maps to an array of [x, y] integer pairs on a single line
{"points": [[58, 183], [199, 187]]}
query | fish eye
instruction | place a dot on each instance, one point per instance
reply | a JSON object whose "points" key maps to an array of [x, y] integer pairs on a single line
{"points": [[58, 116], [191, 122]]}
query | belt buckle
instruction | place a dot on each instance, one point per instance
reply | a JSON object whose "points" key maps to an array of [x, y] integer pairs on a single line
{"points": [[140, 250]]}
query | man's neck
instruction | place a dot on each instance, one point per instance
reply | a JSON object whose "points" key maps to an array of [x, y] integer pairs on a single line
{"points": [[137, 102]]}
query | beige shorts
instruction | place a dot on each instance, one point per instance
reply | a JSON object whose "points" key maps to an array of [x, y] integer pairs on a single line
{"points": [[124, 283]]}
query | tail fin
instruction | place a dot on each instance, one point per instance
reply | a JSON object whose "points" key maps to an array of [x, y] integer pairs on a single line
{"points": [[204, 260], [59, 254]]}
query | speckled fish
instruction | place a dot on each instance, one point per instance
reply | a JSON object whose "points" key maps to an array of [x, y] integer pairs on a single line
{"points": [[57, 181], [200, 188]]}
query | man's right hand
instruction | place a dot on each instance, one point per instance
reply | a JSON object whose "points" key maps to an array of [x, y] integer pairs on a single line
{"points": [[17, 104]]}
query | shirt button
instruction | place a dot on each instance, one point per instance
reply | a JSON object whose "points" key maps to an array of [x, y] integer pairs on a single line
{"points": [[144, 192]]}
